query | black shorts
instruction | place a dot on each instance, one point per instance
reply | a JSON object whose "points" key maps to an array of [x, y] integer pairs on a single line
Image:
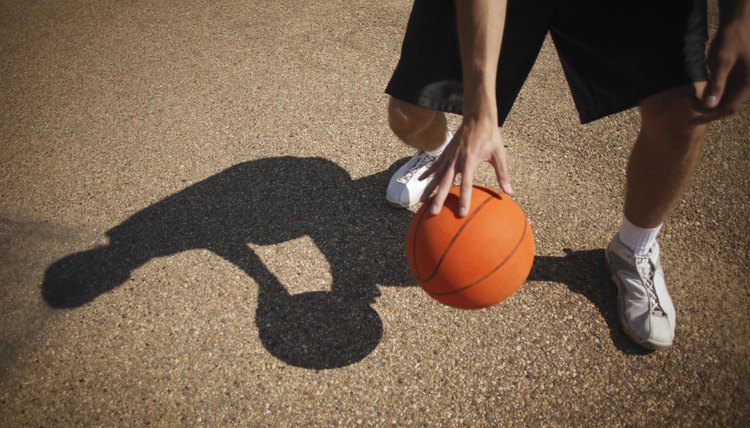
{"points": [[613, 53]]}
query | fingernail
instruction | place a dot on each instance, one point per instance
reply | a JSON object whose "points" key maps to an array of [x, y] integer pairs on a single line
{"points": [[462, 211], [508, 188], [712, 101]]}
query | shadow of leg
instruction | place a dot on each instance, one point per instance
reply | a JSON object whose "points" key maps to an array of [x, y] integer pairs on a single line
{"points": [[584, 272]]}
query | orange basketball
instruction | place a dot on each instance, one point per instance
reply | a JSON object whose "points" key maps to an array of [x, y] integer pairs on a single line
{"points": [[472, 262]]}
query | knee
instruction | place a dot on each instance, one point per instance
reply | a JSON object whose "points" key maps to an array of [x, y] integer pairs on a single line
{"points": [[407, 119], [667, 120]]}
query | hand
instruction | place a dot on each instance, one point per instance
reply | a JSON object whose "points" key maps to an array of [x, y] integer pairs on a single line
{"points": [[729, 66], [476, 141]]}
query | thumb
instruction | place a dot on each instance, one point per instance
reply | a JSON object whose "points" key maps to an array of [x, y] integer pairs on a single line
{"points": [[717, 83], [712, 95]]}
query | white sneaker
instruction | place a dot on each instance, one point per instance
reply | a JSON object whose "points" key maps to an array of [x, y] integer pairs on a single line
{"points": [[405, 189], [643, 303]]}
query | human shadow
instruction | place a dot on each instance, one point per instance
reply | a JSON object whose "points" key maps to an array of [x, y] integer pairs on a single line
{"points": [[584, 272], [274, 200], [265, 202]]}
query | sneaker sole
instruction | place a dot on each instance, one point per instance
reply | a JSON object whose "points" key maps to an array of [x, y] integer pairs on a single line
{"points": [[649, 344], [398, 205]]}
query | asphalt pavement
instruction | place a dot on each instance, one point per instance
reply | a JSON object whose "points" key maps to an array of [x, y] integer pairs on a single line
{"points": [[193, 231]]}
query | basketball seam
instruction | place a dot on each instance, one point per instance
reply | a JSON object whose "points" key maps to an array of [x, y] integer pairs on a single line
{"points": [[488, 274], [448, 247]]}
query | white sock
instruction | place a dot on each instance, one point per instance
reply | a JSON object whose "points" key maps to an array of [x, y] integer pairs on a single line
{"points": [[638, 239], [439, 150]]}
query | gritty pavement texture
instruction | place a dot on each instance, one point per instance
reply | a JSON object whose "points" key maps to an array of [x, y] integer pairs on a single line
{"points": [[193, 232]]}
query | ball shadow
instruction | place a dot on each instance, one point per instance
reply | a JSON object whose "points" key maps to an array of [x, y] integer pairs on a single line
{"points": [[267, 202], [318, 328]]}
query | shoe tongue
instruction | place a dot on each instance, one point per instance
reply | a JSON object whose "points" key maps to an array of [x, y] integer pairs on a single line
{"points": [[645, 270], [423, 160], [644, 266]]}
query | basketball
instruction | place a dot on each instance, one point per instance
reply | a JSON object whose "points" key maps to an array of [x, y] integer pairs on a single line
{"points": [[472, 262]]}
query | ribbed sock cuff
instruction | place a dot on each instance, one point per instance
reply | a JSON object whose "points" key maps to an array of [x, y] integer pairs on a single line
{"points": [[439, 150], [638, 239]]}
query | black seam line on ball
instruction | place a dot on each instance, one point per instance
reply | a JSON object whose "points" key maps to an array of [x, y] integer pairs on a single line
{"points": [[515, 248], [453, 239]]}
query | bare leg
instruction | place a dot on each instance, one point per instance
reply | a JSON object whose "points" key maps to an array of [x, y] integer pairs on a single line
{"points": [[663, 158], [423, 129], [419, 127], [661, 164]]}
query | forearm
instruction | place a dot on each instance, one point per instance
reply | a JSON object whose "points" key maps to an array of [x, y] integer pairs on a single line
{"points": [[480, 29]]}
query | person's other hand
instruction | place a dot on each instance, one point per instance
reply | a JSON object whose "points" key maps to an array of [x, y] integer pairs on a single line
{"points": [[728, 63]]}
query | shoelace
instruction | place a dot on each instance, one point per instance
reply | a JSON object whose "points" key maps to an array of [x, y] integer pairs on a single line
{"points": [[647, 274], [422, 159]]}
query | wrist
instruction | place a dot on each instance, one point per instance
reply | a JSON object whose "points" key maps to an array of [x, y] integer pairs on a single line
{"points": [[480, 105]]}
